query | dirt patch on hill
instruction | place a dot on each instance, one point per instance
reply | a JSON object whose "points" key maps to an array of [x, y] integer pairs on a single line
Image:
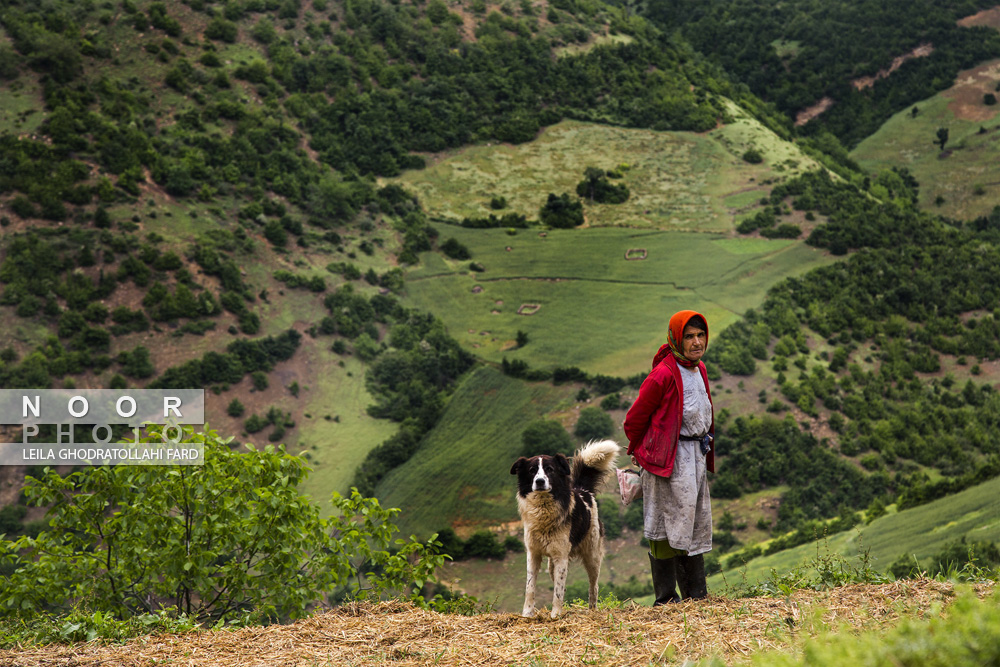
{"points": [[863, 82], [970, 88], [807, 114], [988, 18], [359, 634], [921, 51]]}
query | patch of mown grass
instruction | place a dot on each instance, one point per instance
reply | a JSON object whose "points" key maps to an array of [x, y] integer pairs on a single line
{"points": [[599, 40], [678, 180], [785, 48], [599, 310], [742, 200], [22, 111]]}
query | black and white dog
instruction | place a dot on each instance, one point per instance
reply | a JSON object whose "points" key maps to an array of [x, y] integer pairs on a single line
{"points": [[559, 510]]}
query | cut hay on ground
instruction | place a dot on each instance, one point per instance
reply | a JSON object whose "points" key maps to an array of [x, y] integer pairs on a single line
{"points": [[397, 633]]}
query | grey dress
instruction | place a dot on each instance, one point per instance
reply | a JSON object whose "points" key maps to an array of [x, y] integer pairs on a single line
{"points": [[678, 508]]}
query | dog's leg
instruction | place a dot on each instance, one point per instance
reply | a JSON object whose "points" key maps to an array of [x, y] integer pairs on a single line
{"points": [[534, 564], [593, 566], [559, 568]]}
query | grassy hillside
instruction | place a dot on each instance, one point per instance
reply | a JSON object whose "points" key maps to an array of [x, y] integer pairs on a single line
{"points": [[460, 474], [959, 181], [921, 532]]}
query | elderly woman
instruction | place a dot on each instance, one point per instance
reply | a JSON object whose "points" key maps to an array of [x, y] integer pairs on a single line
{"points": [[670, 429]]}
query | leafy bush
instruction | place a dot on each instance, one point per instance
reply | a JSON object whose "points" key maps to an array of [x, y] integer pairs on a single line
{"points": [[451, 544], [216, 541], [596, 187], [594, 424], [484, 544], [545, 437], [455, 249], [562, 211], [955, 559], [235, 408], [968, 634]]}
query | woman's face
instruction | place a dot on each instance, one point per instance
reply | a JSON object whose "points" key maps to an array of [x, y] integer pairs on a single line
{"points": [[693, 343]]}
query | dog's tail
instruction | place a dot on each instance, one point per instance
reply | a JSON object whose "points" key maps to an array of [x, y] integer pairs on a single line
{"points": [[593, 464]]}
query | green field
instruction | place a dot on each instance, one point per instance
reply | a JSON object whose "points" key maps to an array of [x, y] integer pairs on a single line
{"points": [[965, 173], [460, 475], [678, 180], [920, 531], [598, 310], [339, 433], [22, 110]]}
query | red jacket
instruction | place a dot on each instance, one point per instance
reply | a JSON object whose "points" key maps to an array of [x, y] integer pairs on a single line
{"points": [[653, 423]]}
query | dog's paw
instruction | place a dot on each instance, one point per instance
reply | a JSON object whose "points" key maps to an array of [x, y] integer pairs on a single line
{"points": [[556, 613], [528, 612]]}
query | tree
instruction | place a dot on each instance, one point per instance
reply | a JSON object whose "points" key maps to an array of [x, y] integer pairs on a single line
{"points": [[235, 408], [545, 437], [455, 249], [596, 187], [220, 29], [484, 544], [216, 541], [437, 12], [942, 136], [137, 363], [588, 186], [562, 211], [594, 424], [264, 31]]}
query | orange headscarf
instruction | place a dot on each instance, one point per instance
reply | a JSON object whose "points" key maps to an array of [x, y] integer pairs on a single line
{"points": [[675, 334]]}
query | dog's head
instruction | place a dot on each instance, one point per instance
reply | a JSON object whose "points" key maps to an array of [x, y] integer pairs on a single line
{"points": [[540, 473]]}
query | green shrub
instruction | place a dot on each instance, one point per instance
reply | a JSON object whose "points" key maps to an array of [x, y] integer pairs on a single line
{"points": [[230, 539], [594, 424], [235, 408], [454, 249], [545, 437], [562, 211], [484, 544]]}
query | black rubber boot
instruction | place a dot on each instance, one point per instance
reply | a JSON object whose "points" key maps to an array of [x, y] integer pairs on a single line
{"points": [[664, 580], [691, 576]]}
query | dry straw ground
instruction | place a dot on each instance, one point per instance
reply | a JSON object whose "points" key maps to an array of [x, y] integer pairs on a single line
{"points": [[399, 634]]}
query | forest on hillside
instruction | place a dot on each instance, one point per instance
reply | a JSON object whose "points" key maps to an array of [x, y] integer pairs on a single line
{"points": [[401, 80], [793, 54]]}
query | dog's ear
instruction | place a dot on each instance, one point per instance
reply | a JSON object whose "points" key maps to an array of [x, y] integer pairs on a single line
{"points": [[517, 465], [562, 463]]}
